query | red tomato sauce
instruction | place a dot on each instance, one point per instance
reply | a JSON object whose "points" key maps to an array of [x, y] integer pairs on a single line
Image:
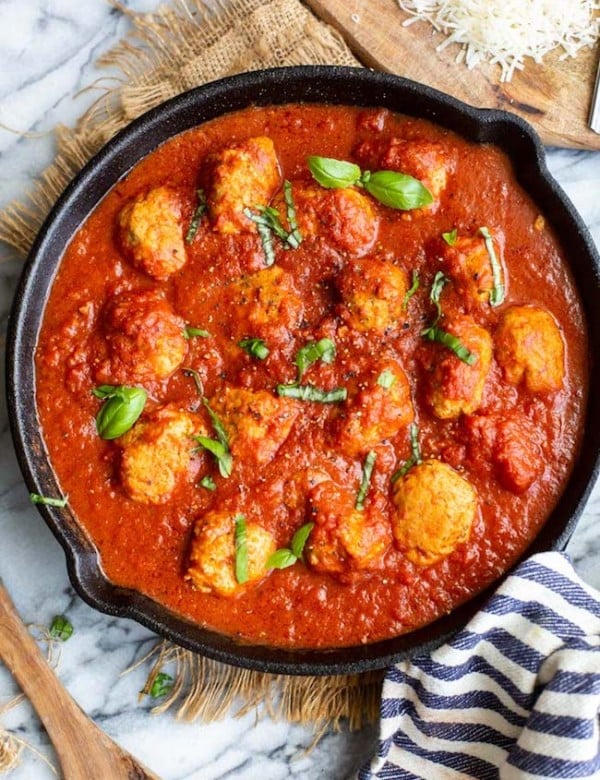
{"points": [[146, 546]]}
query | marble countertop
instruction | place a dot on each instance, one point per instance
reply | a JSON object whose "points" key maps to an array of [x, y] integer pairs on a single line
{"points": [[47, 54]]}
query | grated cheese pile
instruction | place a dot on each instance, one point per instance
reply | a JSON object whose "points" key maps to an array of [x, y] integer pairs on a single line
{"points": [[507, 31]]}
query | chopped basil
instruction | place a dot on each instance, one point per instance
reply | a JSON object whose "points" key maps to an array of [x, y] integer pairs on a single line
{"points": [[285, 556], [217, 425], [396, 190], [497, 291], [36, 498], [366, 480], [197, 381], [161, 685], [450, 238], [324, 350], [220, 452], [294, 238], [266, 236], [451, 342], [386, 379], [120, 411], [414, 286], [311, 393], [241, 549], [196, 217], [333, 174], [434, 333], [208, 483], [255, 347], [393, 189], [415, 453], [189, 332], [61, 628]]}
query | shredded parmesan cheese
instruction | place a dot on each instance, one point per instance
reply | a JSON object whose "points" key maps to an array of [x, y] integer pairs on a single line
{"points": [[505, 32]]}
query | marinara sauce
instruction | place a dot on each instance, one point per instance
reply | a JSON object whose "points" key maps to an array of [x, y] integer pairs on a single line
{"points": [[468, 459]]}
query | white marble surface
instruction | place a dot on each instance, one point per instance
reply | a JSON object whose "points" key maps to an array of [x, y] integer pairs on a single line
{"points": [[47, 51]]}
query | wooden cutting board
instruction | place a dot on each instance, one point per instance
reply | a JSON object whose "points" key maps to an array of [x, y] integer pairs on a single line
{"points": [[554, 97]]}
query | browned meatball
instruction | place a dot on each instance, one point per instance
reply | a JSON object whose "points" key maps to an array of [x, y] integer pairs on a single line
{"points": [[244, 175], [157, 452], [211, 565], [436, 509], [144, 338], [468, 263], [344, 217], [151, 232], [381, 408], [455, 387], [510, 442], [530, 349], [426, 161], [373, 292], [257, 422], [344, 539]]}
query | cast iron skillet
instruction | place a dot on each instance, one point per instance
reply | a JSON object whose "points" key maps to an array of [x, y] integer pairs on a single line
{"points": [[282, 85]]}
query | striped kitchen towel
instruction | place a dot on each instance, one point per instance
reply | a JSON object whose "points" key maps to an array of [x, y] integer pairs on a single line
{"points": [[515, 695]]}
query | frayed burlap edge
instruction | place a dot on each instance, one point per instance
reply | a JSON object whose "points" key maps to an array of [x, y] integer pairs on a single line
{"points": [[176, 48]]}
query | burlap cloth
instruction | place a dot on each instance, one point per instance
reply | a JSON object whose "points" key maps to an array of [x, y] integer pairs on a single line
{"points": [[174, 49]]}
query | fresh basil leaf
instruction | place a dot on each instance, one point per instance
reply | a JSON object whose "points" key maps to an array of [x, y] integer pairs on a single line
{"points": [[281, 559], [368, 466], [439, 280], [300, 538], [120, 411], [221, 454], [61, 628], [333, 174], [386, 379], [255, 347], [311, 393], [324, 350], [396, 190], [265, 233], [241, 549], [497, 291], [196, 217], [35, 498], [450, 237]]}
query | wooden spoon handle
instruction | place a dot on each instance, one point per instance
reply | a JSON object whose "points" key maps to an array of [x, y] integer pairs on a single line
{"points": [[83, 749]]}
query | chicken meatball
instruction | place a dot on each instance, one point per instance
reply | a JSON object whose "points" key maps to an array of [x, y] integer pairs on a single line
{"points": [[144, 338], [381, 408], [244, 175], [267, 303], [151, 232], [455, 387], [373, 292], [211, 563], [426, 161], [344, 217], [156, 454], [468, 263], [530, 349], [435, 510], [510, 442], [257, 422], [344, 539]]}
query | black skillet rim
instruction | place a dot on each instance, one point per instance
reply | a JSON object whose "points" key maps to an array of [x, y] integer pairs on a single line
{"points": [[331, 84]]}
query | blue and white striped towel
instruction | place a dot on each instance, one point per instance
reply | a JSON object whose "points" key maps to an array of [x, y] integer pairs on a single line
{"points": [[515, 695]]}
